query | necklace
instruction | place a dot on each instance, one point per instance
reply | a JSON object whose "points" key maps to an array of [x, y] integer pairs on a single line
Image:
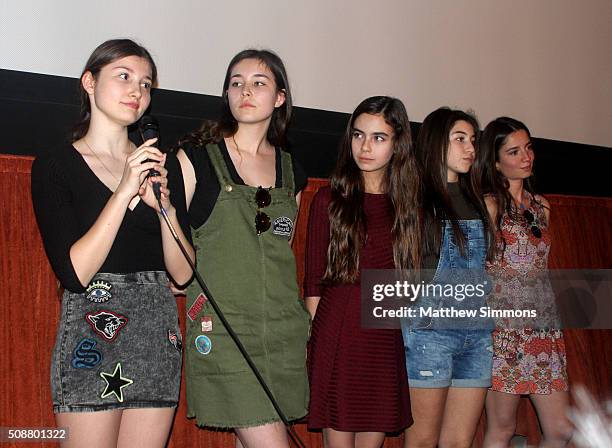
{"points": [[100, 160], [236, 144], [240, 151]]}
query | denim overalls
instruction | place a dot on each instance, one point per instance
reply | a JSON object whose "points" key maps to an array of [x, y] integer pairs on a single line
{"points": [[453, 351]]}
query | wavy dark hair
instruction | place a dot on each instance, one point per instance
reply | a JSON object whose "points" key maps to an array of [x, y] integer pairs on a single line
{"points": [[493, 181], [226, 125], [104, 54], [432, 158], [401, 184]]}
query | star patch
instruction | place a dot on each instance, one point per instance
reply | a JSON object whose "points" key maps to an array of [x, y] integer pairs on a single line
{"points": [[115, 383], [99, 292], [106, 323]]}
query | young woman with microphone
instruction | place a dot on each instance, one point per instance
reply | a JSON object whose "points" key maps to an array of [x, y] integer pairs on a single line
{"points": [[115, 370]]}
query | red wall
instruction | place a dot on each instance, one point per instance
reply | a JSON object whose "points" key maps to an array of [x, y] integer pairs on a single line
{"points": [[29, 308]]}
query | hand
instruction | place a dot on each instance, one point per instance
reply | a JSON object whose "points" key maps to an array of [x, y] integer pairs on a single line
{"points": [[176, 291], [136, 169], [147, 195]]}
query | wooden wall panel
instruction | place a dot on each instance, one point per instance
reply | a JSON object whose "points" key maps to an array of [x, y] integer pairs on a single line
{"points": [[30, 307], [581, 230]]}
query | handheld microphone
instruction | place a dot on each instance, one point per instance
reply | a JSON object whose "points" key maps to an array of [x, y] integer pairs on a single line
{"points": [[149, 128]]}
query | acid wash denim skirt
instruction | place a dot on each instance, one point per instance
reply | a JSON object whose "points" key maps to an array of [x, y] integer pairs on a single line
{"points": [[118, 345]]}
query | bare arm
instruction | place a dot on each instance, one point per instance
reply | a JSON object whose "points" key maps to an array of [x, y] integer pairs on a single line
{"points": [[317, 242], [297, 199], [491, 204], [189, 176], [174, 260], [311, 305], [542, 200]]}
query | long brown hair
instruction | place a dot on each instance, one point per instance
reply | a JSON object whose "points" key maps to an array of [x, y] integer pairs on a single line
{"points": [[226, 125], [432, 155], [104, 54], [493, 181], [400, 183]]}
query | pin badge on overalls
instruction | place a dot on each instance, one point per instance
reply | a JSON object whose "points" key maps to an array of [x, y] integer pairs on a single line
{"points": [[203, 344], [206, 324], [282, 226], [196, 306]]}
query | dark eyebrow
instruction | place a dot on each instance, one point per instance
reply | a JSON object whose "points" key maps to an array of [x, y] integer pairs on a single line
{"points": [[127, 69], [373, 133], [459, 132], [121, 67], [517, 146], [259, 75]]}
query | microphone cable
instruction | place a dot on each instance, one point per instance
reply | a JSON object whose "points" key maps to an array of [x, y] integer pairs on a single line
{"points": [[292, 433]]}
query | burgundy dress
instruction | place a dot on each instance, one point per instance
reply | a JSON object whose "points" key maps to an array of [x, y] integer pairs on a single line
{"points": [[358, 378]]}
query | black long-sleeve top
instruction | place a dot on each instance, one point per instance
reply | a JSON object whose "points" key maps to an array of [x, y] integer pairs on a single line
{"points": [[68, 198]]}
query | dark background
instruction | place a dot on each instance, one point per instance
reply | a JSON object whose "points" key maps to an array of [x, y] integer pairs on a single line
{"points": [[37, 112]]}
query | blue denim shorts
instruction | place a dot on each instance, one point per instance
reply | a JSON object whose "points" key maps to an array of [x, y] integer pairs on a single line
{"points": [[448, 358], [118, 345]]}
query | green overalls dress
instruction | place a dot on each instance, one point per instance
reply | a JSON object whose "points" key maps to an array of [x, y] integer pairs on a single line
{"points": [[253, 279]]}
